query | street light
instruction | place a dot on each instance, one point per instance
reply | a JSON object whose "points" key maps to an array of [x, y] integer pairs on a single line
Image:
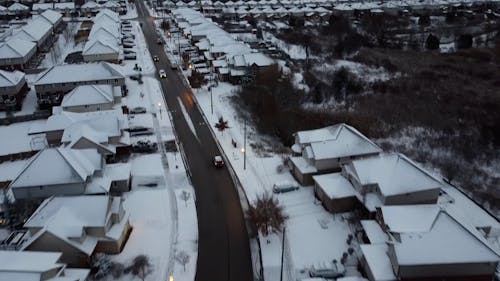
{"points": [[244, 149], [171, 278], [159, 107]]}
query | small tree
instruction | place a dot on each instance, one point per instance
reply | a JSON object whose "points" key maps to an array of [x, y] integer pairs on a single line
{"points": [[267, 214], [100, 266], [182, 258], [141, 267], [221, 125], [165, 25], [432, 42]]}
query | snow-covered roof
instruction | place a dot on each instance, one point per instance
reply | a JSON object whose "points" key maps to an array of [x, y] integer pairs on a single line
{"points": [[90, 5], [12, 262], [99, 47], [42, 6], [345, 141], [303, 165], [53, 166], [64, 5], [410, 218], [374, 232], [335, 185], [447, 241], [118, 171], [394, 174], [10, 79], [89, 94], [111, 4], [68, 73], [378, 261], [33, 31], [51, 16], [17, 7], [67, 217], [108, 13], [258, 59]]}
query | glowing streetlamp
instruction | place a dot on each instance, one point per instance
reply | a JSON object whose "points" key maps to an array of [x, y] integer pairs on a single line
{"points": [[159, 107], [171, 278]]}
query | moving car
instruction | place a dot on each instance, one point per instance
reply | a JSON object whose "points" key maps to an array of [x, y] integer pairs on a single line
{"points": [[218, 162], [159, 41], [156, 58], [173, 66], [162, 73], [283, 187]]}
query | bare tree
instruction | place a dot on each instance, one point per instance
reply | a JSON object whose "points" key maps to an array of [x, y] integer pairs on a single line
{"points": [[182, 258], [267, 214], [141, 267], [185, 196]]}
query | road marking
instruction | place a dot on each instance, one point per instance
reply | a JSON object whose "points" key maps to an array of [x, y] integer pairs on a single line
{"points": [[187, 118]]}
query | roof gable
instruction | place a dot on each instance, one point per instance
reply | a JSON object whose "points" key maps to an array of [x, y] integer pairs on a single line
{"points": [[89, 94]]}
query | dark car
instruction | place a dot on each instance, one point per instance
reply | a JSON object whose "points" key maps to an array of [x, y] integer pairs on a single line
{"points": [[156, 58], [138, 110]]}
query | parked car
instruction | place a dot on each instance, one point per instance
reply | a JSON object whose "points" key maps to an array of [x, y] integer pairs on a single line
{"points": [[325, 273], [218, 162], [130, 56], [145, 146], [146, 132], [138, 110], [162, 73], [156, 58], [138, 129], [283, 187]]}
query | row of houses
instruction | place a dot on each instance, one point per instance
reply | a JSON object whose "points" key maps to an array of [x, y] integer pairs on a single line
{"points": [[412, 231], [21, 45], [85, 137], [105, 38], [229, 58]]}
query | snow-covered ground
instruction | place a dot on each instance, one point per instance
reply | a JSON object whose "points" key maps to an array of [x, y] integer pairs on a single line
{"points": [[64, 45]]}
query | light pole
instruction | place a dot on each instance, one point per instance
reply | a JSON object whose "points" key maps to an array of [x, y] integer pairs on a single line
{"points": [[244, 149]]}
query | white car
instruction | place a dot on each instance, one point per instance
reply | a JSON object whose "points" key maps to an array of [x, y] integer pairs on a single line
{"points": [[162, 73]]}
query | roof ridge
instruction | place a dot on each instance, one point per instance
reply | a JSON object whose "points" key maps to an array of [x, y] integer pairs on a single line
{"points": [[66, 157]]}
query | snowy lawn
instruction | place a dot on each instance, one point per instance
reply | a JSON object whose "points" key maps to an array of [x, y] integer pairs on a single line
{"points": [[15, 138]]}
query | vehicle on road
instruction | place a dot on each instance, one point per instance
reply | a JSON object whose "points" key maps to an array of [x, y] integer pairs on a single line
{"points": [[162, 73], [218, 162], [283, 187], [138, 110], [156, 58], [159, 41], [173, 66]]}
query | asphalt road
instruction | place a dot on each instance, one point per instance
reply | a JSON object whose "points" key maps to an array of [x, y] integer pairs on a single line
{"points": [[223, 245]]}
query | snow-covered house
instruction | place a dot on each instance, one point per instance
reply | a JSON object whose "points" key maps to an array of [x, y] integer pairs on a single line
{"points": [[103, 130], [51, 17], [336, 193], [101, 50], [16, 53], [18, 10], [90, 8], [425, 242], [79, 226], [13, 89], [36, 31], [91, 98], [52, 84], [391, 179], [37, 266], [59, 171], [324, 150], [104, 38]]}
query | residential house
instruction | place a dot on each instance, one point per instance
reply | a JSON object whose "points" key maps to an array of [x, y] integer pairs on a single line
{"points": [[60, 171], [16, 53], [13, 89], [426, 242], [51, 17], [59, 126], [101, 50], [39, 266], [65, 8], [326, 149], [90, 8], [336, 193], [37, 31], [91, 98], [52, 84], [18, 10], [78, 227], [391, 179]]}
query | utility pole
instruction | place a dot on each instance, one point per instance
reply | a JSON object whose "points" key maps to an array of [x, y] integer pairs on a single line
{"points": [[211, 98], [282, 253]]}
